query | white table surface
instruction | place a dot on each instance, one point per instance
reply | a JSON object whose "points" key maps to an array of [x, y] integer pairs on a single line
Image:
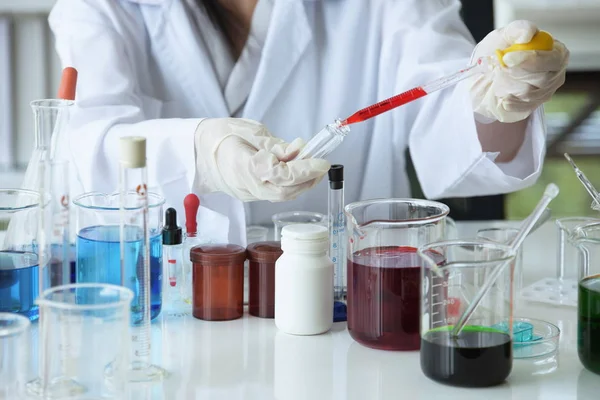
{"points": [[250, 359]]}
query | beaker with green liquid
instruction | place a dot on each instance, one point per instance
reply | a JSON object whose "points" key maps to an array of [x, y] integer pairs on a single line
{"points": [[481, 354], [587, 239]]}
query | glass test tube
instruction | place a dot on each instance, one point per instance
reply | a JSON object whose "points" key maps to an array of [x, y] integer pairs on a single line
{"points": [[134, 226], [337, 240], [324, 142]]}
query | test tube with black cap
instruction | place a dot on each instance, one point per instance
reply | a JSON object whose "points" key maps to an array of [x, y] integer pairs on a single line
{"points": [[337, 240]]}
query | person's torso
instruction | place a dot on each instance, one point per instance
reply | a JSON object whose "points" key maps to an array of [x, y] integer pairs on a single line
{"points": [[321, 60]]}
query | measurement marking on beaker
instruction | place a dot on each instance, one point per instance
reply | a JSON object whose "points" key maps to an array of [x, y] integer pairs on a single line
{"points": [[435, 313], [435, 294]]}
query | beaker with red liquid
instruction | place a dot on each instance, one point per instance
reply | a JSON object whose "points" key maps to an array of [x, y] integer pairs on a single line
{"points": [[384, 270]]}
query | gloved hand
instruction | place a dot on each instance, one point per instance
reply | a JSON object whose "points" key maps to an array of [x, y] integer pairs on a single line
{"points": [[241, 158], [530, 78]]}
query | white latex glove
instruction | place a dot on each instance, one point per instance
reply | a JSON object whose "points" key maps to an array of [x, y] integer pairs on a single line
{"points": [[530, 78], [241, 158]]}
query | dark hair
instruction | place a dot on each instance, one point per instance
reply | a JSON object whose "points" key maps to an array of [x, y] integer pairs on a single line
{"points": [[219, 16]]}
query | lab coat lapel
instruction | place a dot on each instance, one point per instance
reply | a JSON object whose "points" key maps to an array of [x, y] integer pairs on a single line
{"points": [[180, 49], [287, 39]]}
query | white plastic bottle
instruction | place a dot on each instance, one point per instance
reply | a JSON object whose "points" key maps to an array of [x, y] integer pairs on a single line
{"points": [[304, 281]]}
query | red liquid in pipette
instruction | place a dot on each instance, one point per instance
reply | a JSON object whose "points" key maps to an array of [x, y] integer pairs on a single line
{"points": [[385, 105]]}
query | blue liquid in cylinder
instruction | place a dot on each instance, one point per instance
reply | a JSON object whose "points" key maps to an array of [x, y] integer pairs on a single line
{"points": [[99, 261], [19, 283]]}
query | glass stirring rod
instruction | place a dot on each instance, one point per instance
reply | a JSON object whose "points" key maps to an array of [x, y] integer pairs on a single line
{"points": [[332, 135], [585, 182]]}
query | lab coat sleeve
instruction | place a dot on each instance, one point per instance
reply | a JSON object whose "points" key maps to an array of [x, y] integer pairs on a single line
{"points": [[443, 141], [110, 104]]}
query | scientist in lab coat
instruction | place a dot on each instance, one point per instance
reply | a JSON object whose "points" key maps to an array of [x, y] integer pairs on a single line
{"points": [[157, 68]]}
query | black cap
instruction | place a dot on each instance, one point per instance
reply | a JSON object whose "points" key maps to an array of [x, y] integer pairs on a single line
{"points": [[171, 233], [336, 176]]}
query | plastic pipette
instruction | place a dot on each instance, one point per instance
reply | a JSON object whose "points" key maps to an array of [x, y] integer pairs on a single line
{"points": [[540, 41], [549, 194], [586, 183]]}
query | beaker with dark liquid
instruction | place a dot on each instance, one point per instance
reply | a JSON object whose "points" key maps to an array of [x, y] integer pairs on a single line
{"points": [[384, 270], [587, 239], [480, 354]]}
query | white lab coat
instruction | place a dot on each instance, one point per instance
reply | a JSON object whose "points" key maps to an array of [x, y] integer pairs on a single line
{"points": [[143, 70]]}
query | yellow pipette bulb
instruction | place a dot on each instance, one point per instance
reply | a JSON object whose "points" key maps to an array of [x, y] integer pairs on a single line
{"points": [[540, 41]]}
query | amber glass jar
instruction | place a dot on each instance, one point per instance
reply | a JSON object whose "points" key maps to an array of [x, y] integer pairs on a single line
{"points": [[218, 281], [262, 257]]}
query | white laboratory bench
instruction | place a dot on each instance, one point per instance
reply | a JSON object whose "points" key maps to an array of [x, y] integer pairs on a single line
{"points": [[249, 359]]}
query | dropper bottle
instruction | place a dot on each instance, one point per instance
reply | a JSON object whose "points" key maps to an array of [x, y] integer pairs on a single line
{"points": [[173, 286], [191, 203]]}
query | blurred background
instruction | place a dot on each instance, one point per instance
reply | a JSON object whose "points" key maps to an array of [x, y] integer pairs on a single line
{"points": [[29, 69]]}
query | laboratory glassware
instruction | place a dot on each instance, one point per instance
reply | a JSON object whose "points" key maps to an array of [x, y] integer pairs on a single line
{"points": [[173, 281], [135, 225], [84, 342], [384, 269], [337, 241], [295, 217], [525, 229], [506, 236], [326, 140], [586, 183], [560, 289], [48, 175], [481, 354], [218, 287], [98, 244], [256, 233], [262, 257], [304, 281], [536, 342], [19, 271], [587, 239], [62, 263], [14, 354]]}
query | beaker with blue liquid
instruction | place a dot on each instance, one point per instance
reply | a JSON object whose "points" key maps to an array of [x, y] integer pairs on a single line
{"points": [[98, 245], [19, 272]]}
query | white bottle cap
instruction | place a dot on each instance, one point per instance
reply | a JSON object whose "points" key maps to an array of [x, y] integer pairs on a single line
{"points": [[304, 232], [132, 151]]}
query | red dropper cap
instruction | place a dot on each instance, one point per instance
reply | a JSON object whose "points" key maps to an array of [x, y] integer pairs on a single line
{"points": [[68, 84], [191, 202]]}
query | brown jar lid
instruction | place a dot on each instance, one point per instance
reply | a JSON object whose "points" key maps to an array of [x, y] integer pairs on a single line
{"points": [[218, 254], [264, 252]]}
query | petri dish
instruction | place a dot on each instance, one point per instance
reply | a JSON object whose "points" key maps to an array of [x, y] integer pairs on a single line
{"points": [[542, 344]]}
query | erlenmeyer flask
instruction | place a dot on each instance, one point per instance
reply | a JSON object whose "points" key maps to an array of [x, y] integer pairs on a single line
{"points": [[47, 174]]}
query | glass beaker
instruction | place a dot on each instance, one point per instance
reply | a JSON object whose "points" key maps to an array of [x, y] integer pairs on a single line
{"points": [[84, 342], [295, 217], [587, 239], [481, 355], [560, 289], [19, 272], [14, 354], [384, 269], [568, 254], [256, 233], [506, 236], [98, 245]]}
